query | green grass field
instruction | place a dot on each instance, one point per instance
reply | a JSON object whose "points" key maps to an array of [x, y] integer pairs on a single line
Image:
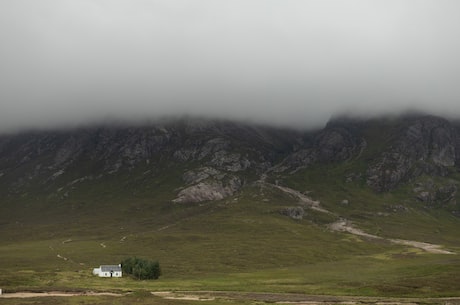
{"points": [[238, 244]]}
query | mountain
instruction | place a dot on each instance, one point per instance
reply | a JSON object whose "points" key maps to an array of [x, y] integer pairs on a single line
{"points": [[215, 159], [291, 196], [218, 156]]}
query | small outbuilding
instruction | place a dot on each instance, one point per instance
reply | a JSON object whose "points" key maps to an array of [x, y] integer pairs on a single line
{"points": [[108, 271]]}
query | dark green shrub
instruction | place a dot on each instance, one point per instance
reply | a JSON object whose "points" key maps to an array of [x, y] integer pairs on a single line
{"points": [[141, 269]]}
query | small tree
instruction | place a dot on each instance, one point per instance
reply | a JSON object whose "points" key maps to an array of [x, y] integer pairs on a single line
{"points": [[141, 268], [153, 270]]}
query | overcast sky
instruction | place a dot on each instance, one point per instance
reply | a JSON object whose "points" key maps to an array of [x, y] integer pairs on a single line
{"points": [[283, 62]]}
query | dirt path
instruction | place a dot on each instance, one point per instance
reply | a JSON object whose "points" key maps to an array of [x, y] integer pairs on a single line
{"points": [[23, 295], [421, 245], [277, 298], [299, 299], [187, 296], [343, 225], [305, 200]]}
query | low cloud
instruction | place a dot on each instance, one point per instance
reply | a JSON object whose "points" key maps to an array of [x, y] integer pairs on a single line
{"points": [[293, 63]]}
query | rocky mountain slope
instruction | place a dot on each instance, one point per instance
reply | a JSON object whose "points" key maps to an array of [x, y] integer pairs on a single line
{"points": [[211, 198], [215, 158], [212, 160]]}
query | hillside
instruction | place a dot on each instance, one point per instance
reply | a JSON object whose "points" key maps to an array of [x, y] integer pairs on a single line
{"points": [[234, 206]]}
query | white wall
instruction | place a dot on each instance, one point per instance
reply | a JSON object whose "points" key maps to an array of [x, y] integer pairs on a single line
{"points": [[98, 271]]}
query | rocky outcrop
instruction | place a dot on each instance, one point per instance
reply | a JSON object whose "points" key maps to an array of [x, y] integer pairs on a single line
{"points": [[430, 192], [427, 145], [296, 213], [200, 174], [333, 144], [207, 183], [209, 190]]}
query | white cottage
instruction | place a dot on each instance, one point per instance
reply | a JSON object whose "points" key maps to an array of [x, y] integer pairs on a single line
{"points": [[108, 271]]}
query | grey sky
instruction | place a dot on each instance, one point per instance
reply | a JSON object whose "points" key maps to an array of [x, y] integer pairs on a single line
{"points": [[283, 62]]}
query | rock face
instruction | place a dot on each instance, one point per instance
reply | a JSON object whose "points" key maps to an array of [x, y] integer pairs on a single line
{"points": [[296, 213], [333, 144], [211, 160], [214, 157], [430, 192], [205, 191], [206, 184], [427, 145]]}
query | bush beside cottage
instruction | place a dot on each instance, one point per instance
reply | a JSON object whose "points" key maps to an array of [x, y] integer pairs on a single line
{"points": [[141, 269]]}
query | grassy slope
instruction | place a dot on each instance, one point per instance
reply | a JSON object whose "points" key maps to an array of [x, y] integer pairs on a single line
{"points": [[395, 214], [241, 243]]}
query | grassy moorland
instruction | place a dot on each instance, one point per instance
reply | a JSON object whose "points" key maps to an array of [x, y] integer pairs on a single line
{"points": [[239, 244]]}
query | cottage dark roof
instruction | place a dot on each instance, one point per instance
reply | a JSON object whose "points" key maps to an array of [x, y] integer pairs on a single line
{"points": [[110, 268]]}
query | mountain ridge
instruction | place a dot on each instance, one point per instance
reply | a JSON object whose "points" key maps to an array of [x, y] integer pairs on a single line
{"points": [[220, 157]]}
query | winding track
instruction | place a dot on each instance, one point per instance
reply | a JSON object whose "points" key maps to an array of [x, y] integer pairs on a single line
{"points": [[344, 225], [24, 295], [276, 298]]}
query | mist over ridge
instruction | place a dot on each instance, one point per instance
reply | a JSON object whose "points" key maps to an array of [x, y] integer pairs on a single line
{"points": [[296, 63]]}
